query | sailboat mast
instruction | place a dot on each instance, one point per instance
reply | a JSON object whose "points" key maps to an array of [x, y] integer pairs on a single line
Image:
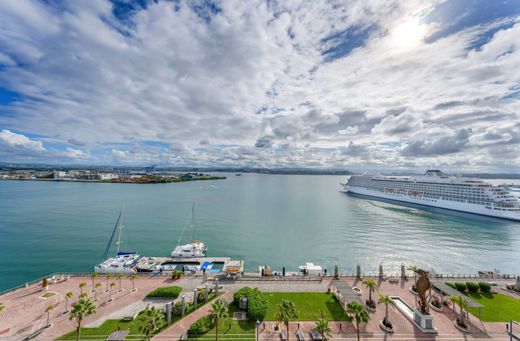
{"points": [[121, 225], [192, 220]]}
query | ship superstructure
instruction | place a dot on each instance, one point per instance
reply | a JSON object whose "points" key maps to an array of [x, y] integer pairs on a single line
{"points": [[437, 189]]}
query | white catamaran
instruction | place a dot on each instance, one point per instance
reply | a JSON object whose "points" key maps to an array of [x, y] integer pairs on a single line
{"points": [[195, 249], [123, 262]]}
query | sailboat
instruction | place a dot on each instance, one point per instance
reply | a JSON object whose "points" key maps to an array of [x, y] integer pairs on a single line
{"points": [[123, 262], [195, 249]]}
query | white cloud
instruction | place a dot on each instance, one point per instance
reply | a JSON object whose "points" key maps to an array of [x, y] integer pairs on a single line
{"points": [[255, 73], [17, 143]]}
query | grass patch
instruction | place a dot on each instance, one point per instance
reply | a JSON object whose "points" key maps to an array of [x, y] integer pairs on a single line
{"points": [[230, 329], [171, 292], [48, 294], [107, 328], [308, 305], [110, 326], [497, 307]]}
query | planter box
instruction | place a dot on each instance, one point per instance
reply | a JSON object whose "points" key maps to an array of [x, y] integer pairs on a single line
{"points": [[424, 322]]}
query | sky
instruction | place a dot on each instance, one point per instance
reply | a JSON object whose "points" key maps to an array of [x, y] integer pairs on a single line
{"points": [[357, 85]]}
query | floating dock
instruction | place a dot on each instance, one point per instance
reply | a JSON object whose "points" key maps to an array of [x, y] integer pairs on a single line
{"points": [[150, 264]]}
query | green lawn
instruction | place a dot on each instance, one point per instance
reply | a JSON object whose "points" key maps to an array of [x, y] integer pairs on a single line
{"points": [[497, 307], [110, 326], [308, 305], [230, 329], [107, 328]]}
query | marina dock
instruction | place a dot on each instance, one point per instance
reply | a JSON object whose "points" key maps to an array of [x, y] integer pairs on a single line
{"points": [[150, 264]]}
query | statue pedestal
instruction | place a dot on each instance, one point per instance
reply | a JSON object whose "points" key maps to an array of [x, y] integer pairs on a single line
{"points": [[424, 322]]}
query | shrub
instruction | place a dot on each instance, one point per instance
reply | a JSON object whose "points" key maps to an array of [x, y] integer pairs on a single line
{"points": [[243, 292], [176, 274], [484, 287], [201, 326], [461, 287], [256, 302], [472, 286], [172, 292], [201, 294], [451, 285]]}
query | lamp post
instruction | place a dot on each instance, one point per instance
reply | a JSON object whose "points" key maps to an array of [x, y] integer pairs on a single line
{"points": [[257, 328]]}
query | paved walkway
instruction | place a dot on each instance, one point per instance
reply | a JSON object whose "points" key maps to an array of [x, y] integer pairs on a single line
{"points": [[175, 331]]}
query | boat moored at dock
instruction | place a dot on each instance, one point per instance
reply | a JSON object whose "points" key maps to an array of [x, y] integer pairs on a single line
{"points": [[123, 262]]}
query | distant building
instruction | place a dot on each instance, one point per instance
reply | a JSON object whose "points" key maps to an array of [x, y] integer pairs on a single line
{"points": [[59, 175], [107, 176]]}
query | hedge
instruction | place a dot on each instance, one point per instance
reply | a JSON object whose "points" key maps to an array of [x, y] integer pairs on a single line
{"points": [[256, 302], [472, 286], [172, 292], [461, 287], [451, 285], [201, 326], [484, 287]]}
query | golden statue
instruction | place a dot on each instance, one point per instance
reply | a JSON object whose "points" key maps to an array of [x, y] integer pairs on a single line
{"points": [[423, 288]]}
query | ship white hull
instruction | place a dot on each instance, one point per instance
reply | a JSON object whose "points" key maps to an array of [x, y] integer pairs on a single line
{"points": [[440, 203]]}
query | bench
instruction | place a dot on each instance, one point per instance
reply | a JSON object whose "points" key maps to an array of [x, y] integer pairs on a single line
{"points": [[299, 335], [283, 335], [184, 337]]}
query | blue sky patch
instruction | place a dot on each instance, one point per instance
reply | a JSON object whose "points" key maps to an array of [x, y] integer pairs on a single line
{"points": [[345, 42], [457, 15]]}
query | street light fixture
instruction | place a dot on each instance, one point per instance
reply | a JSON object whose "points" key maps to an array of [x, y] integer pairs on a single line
{"points": [[257, 328]]}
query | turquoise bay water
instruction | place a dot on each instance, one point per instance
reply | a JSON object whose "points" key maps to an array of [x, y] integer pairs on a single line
{"points": [[280, 220]]}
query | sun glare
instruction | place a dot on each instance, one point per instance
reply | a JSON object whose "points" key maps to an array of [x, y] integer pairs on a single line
{"points": [[408, 35]]}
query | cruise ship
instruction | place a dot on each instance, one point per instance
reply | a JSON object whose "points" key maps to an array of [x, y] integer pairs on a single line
{"points": [[437, 189]]}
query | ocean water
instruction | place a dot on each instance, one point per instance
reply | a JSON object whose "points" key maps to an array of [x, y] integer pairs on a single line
{"points": [[280, 220]]}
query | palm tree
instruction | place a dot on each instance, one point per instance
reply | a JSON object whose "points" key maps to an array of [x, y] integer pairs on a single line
{"points": [[81, 286], [48, 310], [108, 277], [98, 285], [152, 319], [322, 326], [372, 286], [357, 313], [93, 277], [286, 312], [80, 310], [2, 307], [132, 278], [386, 300], [110, 299], [67, 296], [219, 311], [414, 269], [83, 295], [463, 304], [119, 277]]}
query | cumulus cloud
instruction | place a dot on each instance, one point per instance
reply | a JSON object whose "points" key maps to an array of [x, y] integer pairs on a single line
{"points": [[17, 144], [260, 82]]}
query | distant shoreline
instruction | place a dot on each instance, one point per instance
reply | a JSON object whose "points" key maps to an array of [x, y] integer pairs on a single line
{"points": [[126, 181]]}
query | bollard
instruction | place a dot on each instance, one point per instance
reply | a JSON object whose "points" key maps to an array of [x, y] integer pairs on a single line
{"points": [[183, 305], [358, 271], [169, 312], [403, 272], [381, 275]]}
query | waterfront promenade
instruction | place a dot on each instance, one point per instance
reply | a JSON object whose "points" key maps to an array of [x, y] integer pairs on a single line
{"points": [[25, 310]]}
